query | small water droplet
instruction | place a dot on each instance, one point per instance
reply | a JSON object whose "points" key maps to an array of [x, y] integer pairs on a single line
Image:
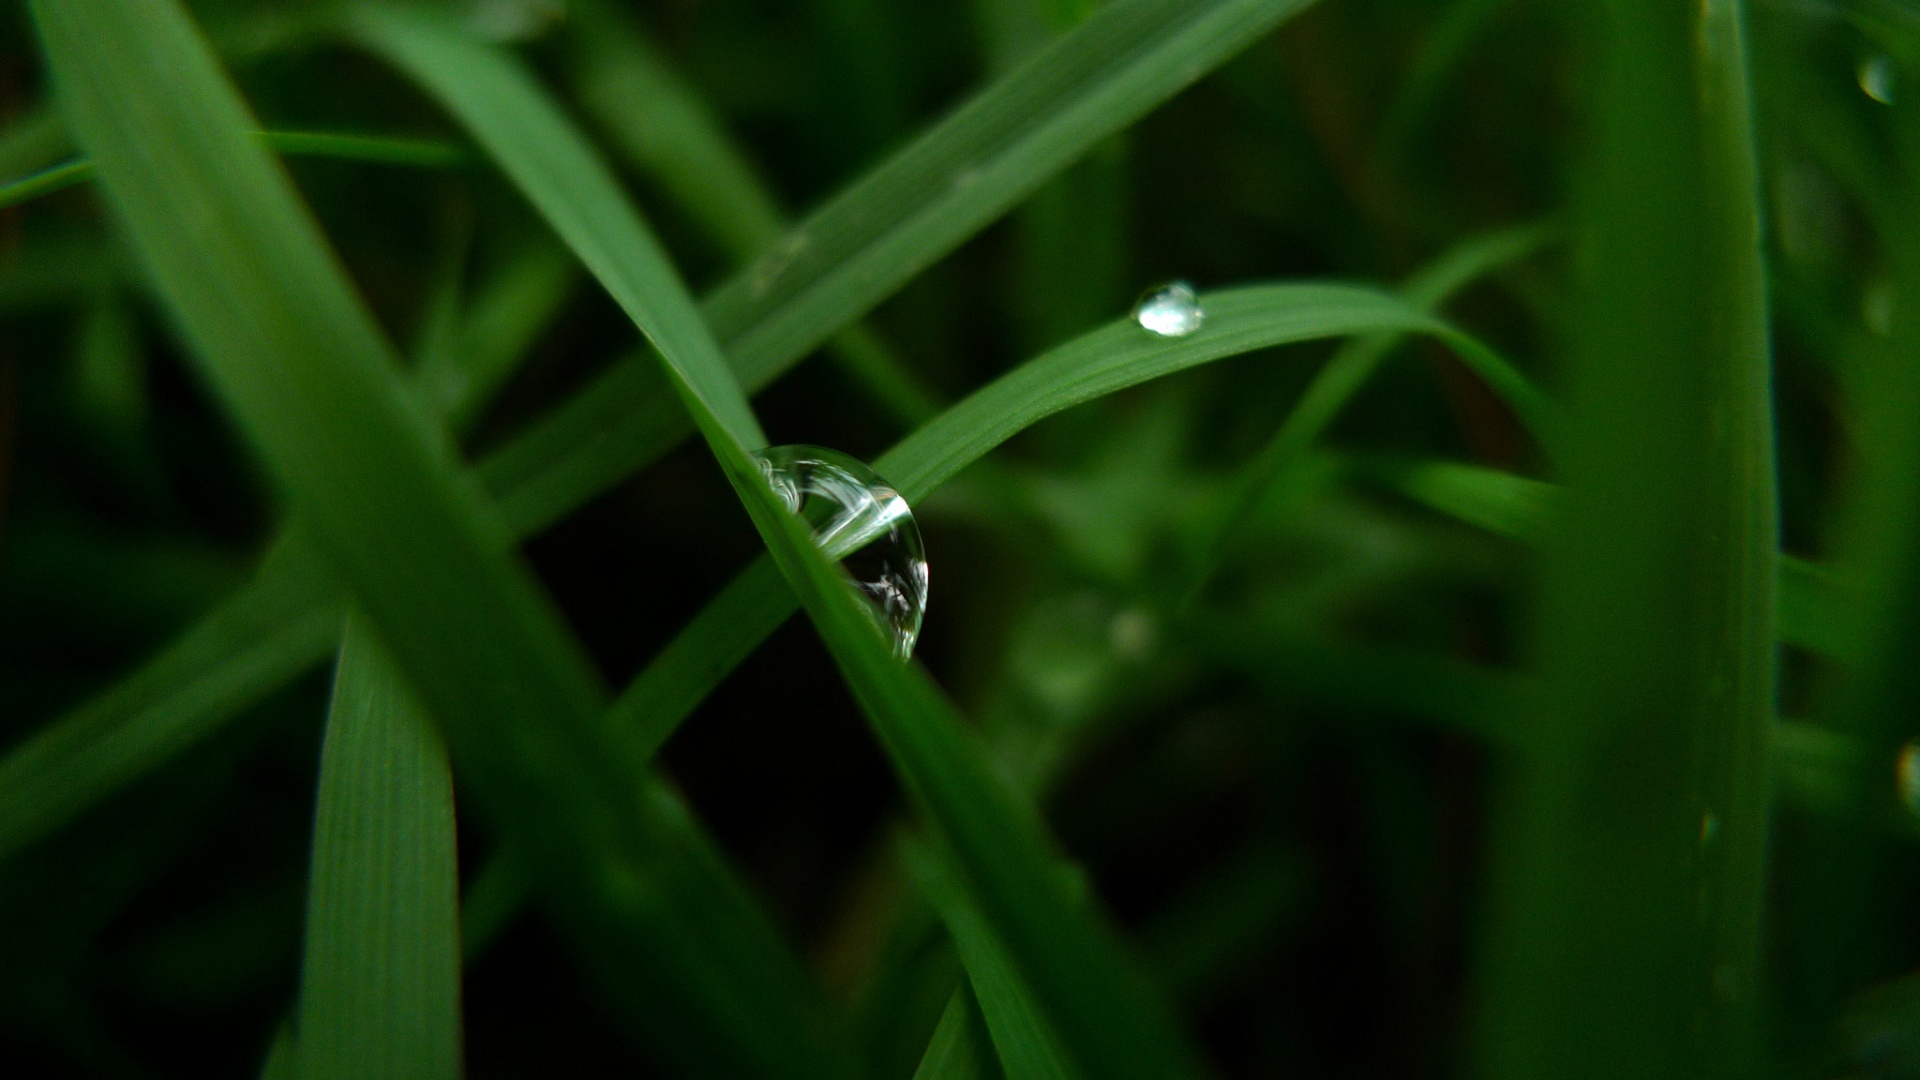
{"points": [[861, 520], [1876, 78], [1907, 772], [1172, 310], [1709, 828]]}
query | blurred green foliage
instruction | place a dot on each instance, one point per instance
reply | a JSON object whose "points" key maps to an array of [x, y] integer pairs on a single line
{"points": [[1266, 639]]}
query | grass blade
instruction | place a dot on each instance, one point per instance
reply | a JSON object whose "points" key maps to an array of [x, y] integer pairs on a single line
{"points": [[279, 625], [302, 365], [959, 1049], [1021, 1037], [560, 174], [1104, 1010], [1620, 944], [380, 979]]}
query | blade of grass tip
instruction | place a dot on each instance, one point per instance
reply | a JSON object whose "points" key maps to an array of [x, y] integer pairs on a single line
{"points": [[1106, 1012], [1340, 380], [659, 124], [1022, 1039], [302, 364], [1624, 929], [380, 975], [959, 1049]]}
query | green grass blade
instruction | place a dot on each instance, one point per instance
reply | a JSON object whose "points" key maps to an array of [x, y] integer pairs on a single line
{"points": [[558, 171], [676, 140], [380, 977], [973, 166], [1342, 378], [418, 153], [314, 386], [1103, 1009], [284, 621], [959, 1049], [1620, 944], [661, 125], [1022, 1039], [904, 215]]}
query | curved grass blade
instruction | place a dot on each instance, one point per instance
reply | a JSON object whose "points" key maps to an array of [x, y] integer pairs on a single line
{"points": [[302, 364], [1620, 944], [1337, 383], [380, 976], [628, 417]]}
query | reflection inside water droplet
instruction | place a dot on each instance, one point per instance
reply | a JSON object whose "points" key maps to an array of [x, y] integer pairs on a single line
{"points": [[1875, 76], [861, 520], [1170, 311]]}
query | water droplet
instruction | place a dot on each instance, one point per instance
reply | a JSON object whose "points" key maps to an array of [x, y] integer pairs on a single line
{"points": [[1171, 311], [861, 520], [1876, 78], [1907, 772]]}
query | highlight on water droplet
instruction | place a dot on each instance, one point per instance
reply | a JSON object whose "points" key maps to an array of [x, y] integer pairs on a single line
{"points": [[862, 521], [1173, 310], [1907, 774], [1876, 78]]}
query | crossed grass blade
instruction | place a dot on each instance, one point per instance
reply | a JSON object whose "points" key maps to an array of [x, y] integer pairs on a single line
{"points": [[1624, 933], [302, 365], [1105, 1011], [628, 417]]}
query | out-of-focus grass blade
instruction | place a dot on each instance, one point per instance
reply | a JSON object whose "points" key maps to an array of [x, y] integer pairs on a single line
{"points": [[250, 280], [959, 1049], [280, 624], [1623, 938], [661, 125], [559, 173], [1848, 930], [903, 216], [970, 168], [675, 139], [34, 141], [1812, 612], [418, 153], [1021, 1036], [510, 310], [380, 976], [1343, 376]]}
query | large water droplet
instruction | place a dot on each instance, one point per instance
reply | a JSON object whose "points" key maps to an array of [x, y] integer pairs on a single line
{"points": [[861, 520], [1876, 78], [1172, 310]]}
